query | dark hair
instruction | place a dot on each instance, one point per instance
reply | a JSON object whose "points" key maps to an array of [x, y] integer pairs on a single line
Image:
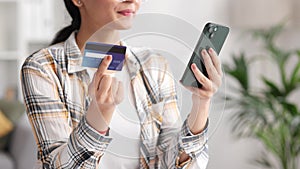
{"points": [[63, 34]]}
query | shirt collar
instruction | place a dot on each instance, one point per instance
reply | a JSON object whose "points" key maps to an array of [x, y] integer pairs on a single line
{"points": [[73, 54], [134, 56], [131, 61]]}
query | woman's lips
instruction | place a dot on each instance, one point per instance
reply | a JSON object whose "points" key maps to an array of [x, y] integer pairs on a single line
{"points": [[126, 12]]}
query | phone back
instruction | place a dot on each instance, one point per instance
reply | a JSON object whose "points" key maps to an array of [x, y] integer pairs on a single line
{"points": [[212, 36]]}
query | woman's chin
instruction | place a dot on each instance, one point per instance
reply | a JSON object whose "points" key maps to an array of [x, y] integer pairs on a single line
{"points": [[123, 23]]}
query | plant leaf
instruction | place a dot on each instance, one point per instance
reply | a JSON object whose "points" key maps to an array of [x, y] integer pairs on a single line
{"points": [[273, 89], [264, 161], [294, 78], [239, 70], [291, 108]]}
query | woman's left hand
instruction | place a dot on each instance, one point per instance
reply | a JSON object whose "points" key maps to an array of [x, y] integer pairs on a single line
{"points": [[197, 119], [211, 83], [202, 96]]}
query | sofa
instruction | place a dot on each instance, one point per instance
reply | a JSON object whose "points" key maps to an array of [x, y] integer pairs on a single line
{"points": [[21, 153]]}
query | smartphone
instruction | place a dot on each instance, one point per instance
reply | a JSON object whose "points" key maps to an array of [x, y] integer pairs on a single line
{"points": [[212, 36]]}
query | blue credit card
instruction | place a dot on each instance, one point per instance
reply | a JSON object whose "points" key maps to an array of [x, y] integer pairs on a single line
{"points": [[94, 52]]}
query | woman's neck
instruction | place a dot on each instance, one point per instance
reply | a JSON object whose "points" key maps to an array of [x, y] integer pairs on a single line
{"points": [[110, 36]]}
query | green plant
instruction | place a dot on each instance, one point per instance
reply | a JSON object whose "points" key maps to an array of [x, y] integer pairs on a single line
{"points": [[268, 113]]}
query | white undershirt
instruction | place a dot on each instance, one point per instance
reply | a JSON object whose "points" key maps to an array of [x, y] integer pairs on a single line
{"points": [[123, 151]]}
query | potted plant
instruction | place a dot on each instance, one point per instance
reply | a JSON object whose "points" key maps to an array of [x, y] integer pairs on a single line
{"points": [[268, 113]]}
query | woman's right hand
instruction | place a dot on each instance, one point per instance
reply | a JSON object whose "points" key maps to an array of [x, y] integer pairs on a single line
{"points": [[106, 93]]}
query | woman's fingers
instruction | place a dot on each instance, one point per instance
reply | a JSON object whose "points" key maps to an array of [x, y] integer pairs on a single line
{"points": [[117, 91], [210, 68], [110, 90], [119, 94], [201, 78], [216, 61], [202, 92], [102, 69], [114, 85], [213, 66], [105, 85]]}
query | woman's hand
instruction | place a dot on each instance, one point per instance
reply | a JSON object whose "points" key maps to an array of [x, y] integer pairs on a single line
{"points": [[211, 83], [106, 92], [201, 96]]}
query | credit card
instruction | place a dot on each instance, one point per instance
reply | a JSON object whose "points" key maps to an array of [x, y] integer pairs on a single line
{"points": [[94, 52]]}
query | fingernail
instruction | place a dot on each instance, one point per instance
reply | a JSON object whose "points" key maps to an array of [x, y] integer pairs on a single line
{"points": [[108, 57], [210, 50], [203, 52], [193, 66]]}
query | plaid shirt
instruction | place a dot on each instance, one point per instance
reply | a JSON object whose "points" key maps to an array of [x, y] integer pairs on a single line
{"points": [[55, 89]]}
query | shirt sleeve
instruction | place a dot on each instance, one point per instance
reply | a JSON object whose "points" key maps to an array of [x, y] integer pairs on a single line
{"points": [[59, 145], [175, 136], [195, 146]]}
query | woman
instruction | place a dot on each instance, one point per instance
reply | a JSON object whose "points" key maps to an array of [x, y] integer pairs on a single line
{"points": [[71, 114]]}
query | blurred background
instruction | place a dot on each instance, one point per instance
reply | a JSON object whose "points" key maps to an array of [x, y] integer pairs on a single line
{"points": [[28, 25]]}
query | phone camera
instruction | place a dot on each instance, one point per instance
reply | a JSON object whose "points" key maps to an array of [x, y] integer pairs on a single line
{"points": [[212, 28]]}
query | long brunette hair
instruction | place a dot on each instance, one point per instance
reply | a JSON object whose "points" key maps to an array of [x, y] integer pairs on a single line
{"points": [[63, 34]]}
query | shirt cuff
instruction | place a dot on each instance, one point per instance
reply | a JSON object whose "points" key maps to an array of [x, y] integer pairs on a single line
{"points": [[192, 144], [90, 138]]}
